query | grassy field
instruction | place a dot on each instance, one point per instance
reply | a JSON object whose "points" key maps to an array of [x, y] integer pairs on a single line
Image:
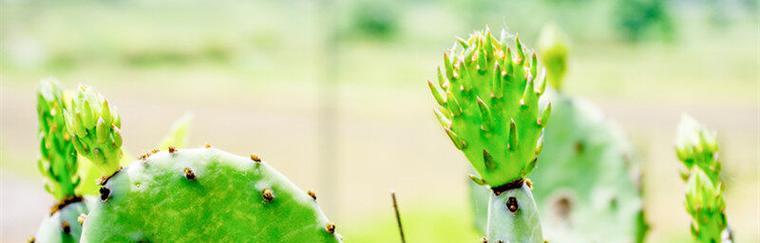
{"points": [[251, 75]]}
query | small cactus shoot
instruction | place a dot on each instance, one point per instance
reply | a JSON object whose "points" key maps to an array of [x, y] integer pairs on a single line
{"points": [[59, 164], [487, 94], [697, 149], [95, 129]]}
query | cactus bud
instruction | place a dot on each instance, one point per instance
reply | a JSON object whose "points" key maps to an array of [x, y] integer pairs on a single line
{"points": [[95, 127], [553, 51]]}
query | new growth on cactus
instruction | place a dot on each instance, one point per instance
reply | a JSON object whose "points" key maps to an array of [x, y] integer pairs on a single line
{"points": [[59, 164], [697, 149], [488, 104], [95, 129]]}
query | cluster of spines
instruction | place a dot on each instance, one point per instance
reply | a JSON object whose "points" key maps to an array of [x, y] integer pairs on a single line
{"points": [[95, 127], [488, 104], [697, 148], [58, 159]]}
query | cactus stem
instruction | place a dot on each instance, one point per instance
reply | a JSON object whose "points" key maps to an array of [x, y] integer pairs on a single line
{"points": [[189, 174], [267, 194], [312, 194], [330, 227]]}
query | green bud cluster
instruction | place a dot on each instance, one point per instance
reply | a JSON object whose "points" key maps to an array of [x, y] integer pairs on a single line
{"points": [[58, 159], [488, 103], [697, 149], [95, 127], [552, 44]]}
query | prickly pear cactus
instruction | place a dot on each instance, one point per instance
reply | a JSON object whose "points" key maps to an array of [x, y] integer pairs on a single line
{"points": [[587, 174], [488, 104], [697, 149], [59, 164], [193, 195], [95, 129]]}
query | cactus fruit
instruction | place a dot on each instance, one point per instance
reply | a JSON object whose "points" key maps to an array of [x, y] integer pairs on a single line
{"points": [[697, 149], [201, 194], [94, 126], [488, 104], [580, 143]]}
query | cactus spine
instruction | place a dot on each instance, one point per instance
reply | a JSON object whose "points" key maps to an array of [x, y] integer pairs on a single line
{"points": [[488, 104], [697, 149], [59, 164]]}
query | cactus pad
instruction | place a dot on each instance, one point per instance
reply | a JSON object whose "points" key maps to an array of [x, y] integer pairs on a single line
{"points": [[488, 104], [196, 195], [65, 222]]}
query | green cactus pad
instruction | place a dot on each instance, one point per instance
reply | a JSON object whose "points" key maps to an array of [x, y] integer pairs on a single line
{"points": [[197, 195], [589, 189], [513, 217], [697, 149], [64, 223], [95, 128], [488, 104]]}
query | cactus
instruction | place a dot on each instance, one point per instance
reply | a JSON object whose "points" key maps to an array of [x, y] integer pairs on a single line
{"points": [[580, 143], [697, 149], [488, 104], [183, 194], [95, 129], [59, 164]]}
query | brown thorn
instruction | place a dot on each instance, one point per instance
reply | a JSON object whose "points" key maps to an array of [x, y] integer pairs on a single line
{"points": [[172, 149], [154, 151], [207, 145], [104, 193], [512, 204], [398, 217], [312, 194]]}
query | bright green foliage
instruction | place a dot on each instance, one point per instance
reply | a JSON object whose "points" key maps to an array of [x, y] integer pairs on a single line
{"points": [[697, 148], [64, 224], [553, 51], [178, 134], [196, 195], [513, 217], [95, 126], [58, 160], [488, 103]]}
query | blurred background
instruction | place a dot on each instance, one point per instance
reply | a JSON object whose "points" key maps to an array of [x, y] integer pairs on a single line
{"points": [[332, 93]]}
